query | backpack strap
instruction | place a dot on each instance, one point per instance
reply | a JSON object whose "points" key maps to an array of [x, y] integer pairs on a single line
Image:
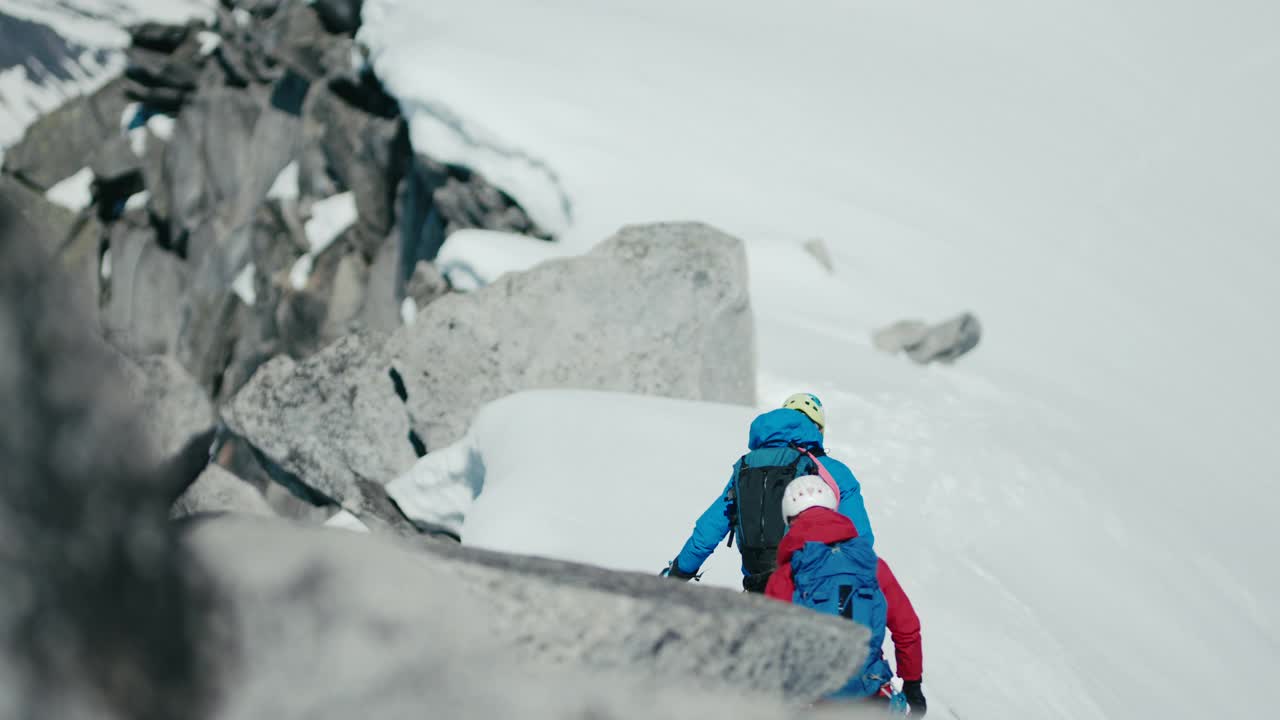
{"points": [[822, 472], [732, 499]]}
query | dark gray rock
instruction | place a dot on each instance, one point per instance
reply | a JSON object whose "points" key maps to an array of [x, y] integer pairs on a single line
{"points": [[179, 69], [36, 47], [658, 309], [339, 16], [368, 155], [275, 246], [924, 344], [160, 37], [333, 422], [59, 144], [162, 99], [117, 174], [143, 310], [160, 199], [296, 37], [437, 200], [85, 520], [227, 149], [384, 292]]}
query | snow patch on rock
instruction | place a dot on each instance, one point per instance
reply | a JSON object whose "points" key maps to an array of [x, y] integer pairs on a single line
{"points": [[74, 193]]}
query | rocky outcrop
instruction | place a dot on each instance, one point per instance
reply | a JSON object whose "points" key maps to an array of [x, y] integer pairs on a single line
{"points": [[924, 344], [112, 619], [331, 426], [209, 160], [59, 144], [658, 309], [409, 615], [141, 309]]}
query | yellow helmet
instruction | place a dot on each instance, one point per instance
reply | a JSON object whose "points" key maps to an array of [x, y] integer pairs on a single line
{"points": [[810, 405]]}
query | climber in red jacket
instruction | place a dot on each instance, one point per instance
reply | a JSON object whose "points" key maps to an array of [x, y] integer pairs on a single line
{"points": [[813, 520]]}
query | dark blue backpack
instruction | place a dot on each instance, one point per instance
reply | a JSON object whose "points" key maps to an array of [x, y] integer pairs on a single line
{"points": [[840, 579]]}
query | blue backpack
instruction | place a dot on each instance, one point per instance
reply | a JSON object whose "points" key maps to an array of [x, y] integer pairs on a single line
{"points": [[840, 579]]}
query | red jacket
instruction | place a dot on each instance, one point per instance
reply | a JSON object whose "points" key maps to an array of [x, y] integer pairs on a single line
{"points": [[828, 526]]}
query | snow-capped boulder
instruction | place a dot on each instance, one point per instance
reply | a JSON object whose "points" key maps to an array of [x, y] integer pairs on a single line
{"points": [[630, 642], [924, 344], [657, 309]]}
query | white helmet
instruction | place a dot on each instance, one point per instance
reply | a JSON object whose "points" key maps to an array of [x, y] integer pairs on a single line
{"points": [[805, 492]]}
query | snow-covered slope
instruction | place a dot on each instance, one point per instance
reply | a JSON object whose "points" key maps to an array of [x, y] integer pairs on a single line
{"points": [[1082, 507], [52, 51]]}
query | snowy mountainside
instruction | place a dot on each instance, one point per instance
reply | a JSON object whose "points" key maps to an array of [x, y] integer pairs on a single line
{"points": [[1089, 178], [50, 52]]}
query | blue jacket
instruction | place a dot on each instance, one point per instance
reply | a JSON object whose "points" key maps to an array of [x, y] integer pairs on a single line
{"points": [[776, 429]]}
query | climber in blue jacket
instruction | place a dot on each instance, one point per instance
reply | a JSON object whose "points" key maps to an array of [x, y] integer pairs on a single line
{"points": [[784, 444]]}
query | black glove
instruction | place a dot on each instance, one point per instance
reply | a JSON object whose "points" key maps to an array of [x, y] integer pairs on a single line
{"points": [[915, 697], [673, 571]]}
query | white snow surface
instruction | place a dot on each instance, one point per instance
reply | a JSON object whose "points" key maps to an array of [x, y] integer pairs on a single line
{"points": [[75, 192], [475, 258], [162, 126], [22, 99], [243, 285], [103, 23], [89, 24], [285, 186], [1081, 509], [344, 520], [329, 218]]}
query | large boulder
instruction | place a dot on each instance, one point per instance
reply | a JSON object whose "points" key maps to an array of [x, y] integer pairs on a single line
{"points": [[366, 146], [143, 314], [924, 343], [332, 425], [59, 144], [658, 309], [228, 147], [355, 622]]}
